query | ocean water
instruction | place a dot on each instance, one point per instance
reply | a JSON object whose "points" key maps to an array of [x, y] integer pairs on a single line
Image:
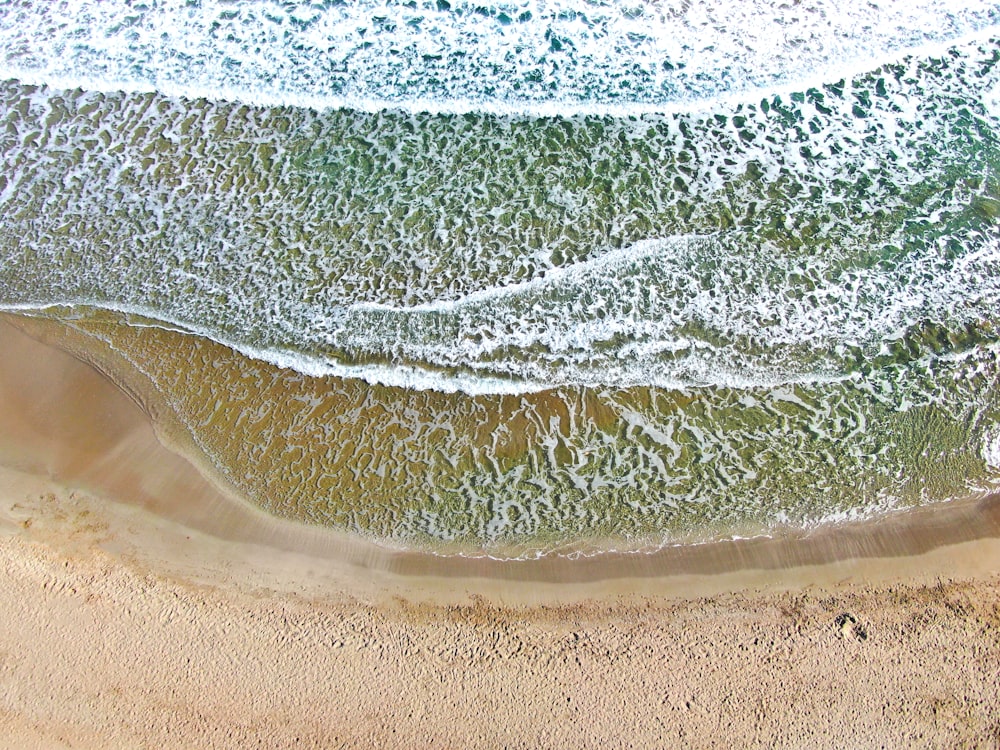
{"points": [[511, 277]]}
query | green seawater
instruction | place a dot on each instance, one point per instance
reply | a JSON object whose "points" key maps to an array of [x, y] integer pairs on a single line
{"points": [[511, 332]]}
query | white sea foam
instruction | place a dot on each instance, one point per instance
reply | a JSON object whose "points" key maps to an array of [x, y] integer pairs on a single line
{"points": [[991, 448], [399, 376], [991, 101], [523, 56], [556, 311]]}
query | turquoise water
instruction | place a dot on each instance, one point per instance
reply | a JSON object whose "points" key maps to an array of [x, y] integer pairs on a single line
{"points": [[783, 219]]}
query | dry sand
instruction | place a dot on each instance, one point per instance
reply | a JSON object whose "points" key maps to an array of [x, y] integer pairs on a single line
{"points": [[146, 608]]}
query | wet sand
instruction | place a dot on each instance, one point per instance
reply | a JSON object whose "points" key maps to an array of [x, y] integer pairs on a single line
{"points": [[138, 583]]}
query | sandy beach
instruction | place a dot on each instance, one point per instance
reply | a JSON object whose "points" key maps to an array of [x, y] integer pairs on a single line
{"points": [[148, 608]]}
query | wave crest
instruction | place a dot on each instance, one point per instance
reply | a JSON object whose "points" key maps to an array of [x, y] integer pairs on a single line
{"points": [[526, 56]]}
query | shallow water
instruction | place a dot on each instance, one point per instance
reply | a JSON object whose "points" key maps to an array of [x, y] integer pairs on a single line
{"points": [[608, 272]]}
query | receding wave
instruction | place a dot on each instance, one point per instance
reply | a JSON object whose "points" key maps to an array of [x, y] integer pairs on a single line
{"points": [[564, 469]]}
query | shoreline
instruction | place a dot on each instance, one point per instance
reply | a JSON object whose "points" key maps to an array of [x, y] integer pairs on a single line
{"points": [[182, 619], [104, 446], [100, 650]]}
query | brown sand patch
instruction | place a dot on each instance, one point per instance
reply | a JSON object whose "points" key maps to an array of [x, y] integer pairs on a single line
{"points": [[100, 650]]}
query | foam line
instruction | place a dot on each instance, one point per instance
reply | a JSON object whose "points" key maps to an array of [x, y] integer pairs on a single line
{"points": [[526, 58]]}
